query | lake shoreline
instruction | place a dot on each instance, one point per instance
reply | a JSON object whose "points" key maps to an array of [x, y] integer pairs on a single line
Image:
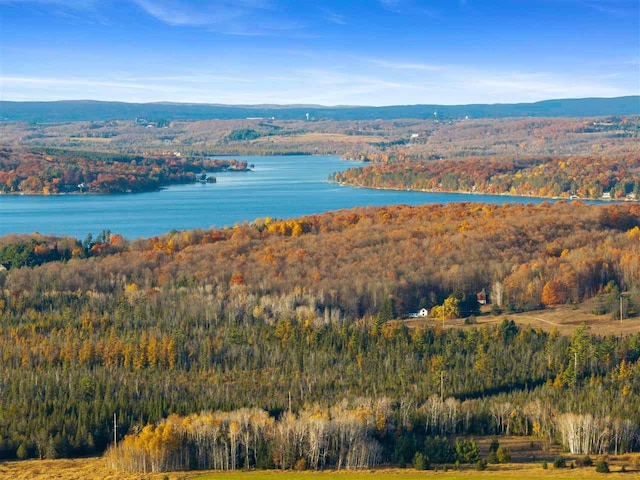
{"points": [[464, 192]]}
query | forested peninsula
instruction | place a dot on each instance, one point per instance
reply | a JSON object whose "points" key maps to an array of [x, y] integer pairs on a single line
{"points": [[50, 171], [213, 347], [609, 177]]}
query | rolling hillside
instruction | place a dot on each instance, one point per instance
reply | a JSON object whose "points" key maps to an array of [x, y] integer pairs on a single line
{"points": [[88, 110]]}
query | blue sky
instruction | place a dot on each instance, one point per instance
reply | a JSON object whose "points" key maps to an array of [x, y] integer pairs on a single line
{"points": [[375, 52]]}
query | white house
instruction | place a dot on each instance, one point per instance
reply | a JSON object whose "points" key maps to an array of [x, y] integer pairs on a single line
{"points": [[482, 297], [423, 313]]}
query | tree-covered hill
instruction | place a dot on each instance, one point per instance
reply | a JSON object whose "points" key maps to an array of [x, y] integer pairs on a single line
{"points": [[87, 110], [303, 312]]}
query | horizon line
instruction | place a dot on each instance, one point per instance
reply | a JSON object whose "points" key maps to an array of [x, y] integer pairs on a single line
{"points": [[302, 105]]}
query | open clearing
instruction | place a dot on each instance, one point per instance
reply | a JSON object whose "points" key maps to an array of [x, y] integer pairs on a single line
{"points": [[319, 137], [565, 319], [90, 139]]}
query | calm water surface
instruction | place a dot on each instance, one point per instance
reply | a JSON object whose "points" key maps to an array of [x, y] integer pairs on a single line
{"points": [[279, 187]]}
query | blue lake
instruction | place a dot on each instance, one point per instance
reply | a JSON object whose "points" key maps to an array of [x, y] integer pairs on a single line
{"points": [[278, 187]]}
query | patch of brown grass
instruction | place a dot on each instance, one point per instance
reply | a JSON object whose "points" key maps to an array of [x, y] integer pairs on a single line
{"points": [[565, 319], [71, 469], [91, 139], [315, 137], [94, 468]]}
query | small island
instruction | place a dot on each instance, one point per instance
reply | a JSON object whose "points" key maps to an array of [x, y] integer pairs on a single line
{"points": [[204, 178], [56, 171]]}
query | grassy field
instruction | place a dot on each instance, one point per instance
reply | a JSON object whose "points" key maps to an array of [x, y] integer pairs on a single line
{"points": [[504, 472], [90, 139], [315, 137], [565, 319], [528, 454], [67, 469], [94, 468]]}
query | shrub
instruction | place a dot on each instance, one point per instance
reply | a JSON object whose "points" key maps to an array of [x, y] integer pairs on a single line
{"points": [[481, 465], [503, 455], [585, 462], [405, 450], [301, 464], [492, 457], [467, 451], [420, 462], [22, 452], [559, 462], [438, 450], [544, 465], [494, 445], [602, 467]]}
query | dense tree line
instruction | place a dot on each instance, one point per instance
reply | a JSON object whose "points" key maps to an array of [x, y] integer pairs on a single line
{"points": [[32, 250], [292, 313], [359, 434], [585, 177], [317, 438], [340, 436], [350, 262]]}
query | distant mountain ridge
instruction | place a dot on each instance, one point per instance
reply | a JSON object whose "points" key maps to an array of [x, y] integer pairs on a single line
{"points": [[91, 110]]}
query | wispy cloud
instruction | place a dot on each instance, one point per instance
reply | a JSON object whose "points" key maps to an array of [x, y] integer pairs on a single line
{"points": [[73, 82], [408, 7], [538, 86], [328, 85], [194, 78], [75, 4], [390, 3], [79, 12], [169, 84], [610, 7], [185, 14], [329, 77], [456, 84], [617, 10], [422, 67], [334, 17], [58, 88], [234, 17]]}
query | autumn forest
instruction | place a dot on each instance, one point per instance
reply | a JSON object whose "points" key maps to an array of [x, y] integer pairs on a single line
{"points": [[302, 315], [296, 343]]}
